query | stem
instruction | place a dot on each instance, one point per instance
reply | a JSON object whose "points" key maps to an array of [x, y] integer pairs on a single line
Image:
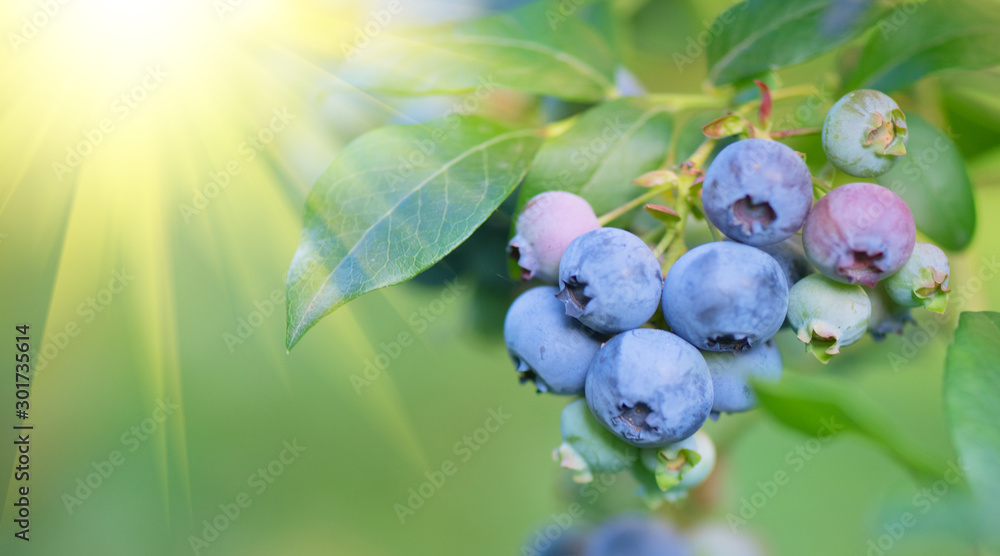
{"points": [[799, 131], [669, 237], [780, 94], [698, 158], [679, 102], [823, 186], [795, 91], [605, 219], [690, 172], [820, 187]]}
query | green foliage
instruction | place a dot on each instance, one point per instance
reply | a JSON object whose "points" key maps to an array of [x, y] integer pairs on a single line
{"points": [[919, 38], [971, 391], [609, 146], [365, 228], [533, 49], [396, 201], [823, 408], [760, 35], [932, 179]]}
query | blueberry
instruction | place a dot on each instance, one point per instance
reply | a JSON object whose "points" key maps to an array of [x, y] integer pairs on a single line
{"points": [[923, 280], [546, 226], [757, 191], [547, 347], [681, 466], [723, 540], [888, 317], [828, 315], [588, 447], [733, 374], [859, 233], [792, 258], [610, 280], [725, 296], [649, 387], [864, 133], [634, 535]]}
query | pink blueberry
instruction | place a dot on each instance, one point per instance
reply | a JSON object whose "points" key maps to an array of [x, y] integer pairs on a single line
{"points": [[859, 233], [546, 226]]}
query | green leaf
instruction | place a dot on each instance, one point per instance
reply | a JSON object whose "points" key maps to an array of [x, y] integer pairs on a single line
{"points": [[533, 49], [972, 111], [609, 146], [823, 408], [933, 181], [920, 38], [972, 404], [725, 126], [756, 36], [394, 202]]}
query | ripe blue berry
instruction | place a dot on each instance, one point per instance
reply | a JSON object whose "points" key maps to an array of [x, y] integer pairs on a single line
{"points": [[864, 133], [546, 226], [923, 280], [610, 280], [588, 447], [828, 315], [649, 387], [725, 296], [635, 536], [547, 347], [792, 258], [859, 233], [757, 191], [734, 373]]}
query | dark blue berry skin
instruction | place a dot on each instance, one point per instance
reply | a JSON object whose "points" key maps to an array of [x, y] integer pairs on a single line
{"points": [[792, 257], [724, 296], [610, 280], [633, 535], [547, 347], [734, 373], [649, 387], [757, 191]]}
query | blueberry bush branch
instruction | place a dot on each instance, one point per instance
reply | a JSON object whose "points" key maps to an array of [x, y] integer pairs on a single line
{"points": [[651, 330]]}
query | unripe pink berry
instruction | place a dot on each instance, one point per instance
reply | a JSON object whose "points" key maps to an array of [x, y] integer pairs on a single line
{"points": [[546, 226], [859, 233]]}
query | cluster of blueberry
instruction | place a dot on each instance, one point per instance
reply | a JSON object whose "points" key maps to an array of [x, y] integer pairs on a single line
{"points": [[647, 391]]}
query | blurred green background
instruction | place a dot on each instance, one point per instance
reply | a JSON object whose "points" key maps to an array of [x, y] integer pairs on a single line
{"points": [[196, 329]]}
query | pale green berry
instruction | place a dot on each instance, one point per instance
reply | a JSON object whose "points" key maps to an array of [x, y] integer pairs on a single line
{"points": [[864, 133], [827, 315], [923, 280], [681, 466], [588, 447]]}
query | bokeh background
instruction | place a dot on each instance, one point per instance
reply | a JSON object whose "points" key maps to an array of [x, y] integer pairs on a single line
{"points": [[175, 290]]}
